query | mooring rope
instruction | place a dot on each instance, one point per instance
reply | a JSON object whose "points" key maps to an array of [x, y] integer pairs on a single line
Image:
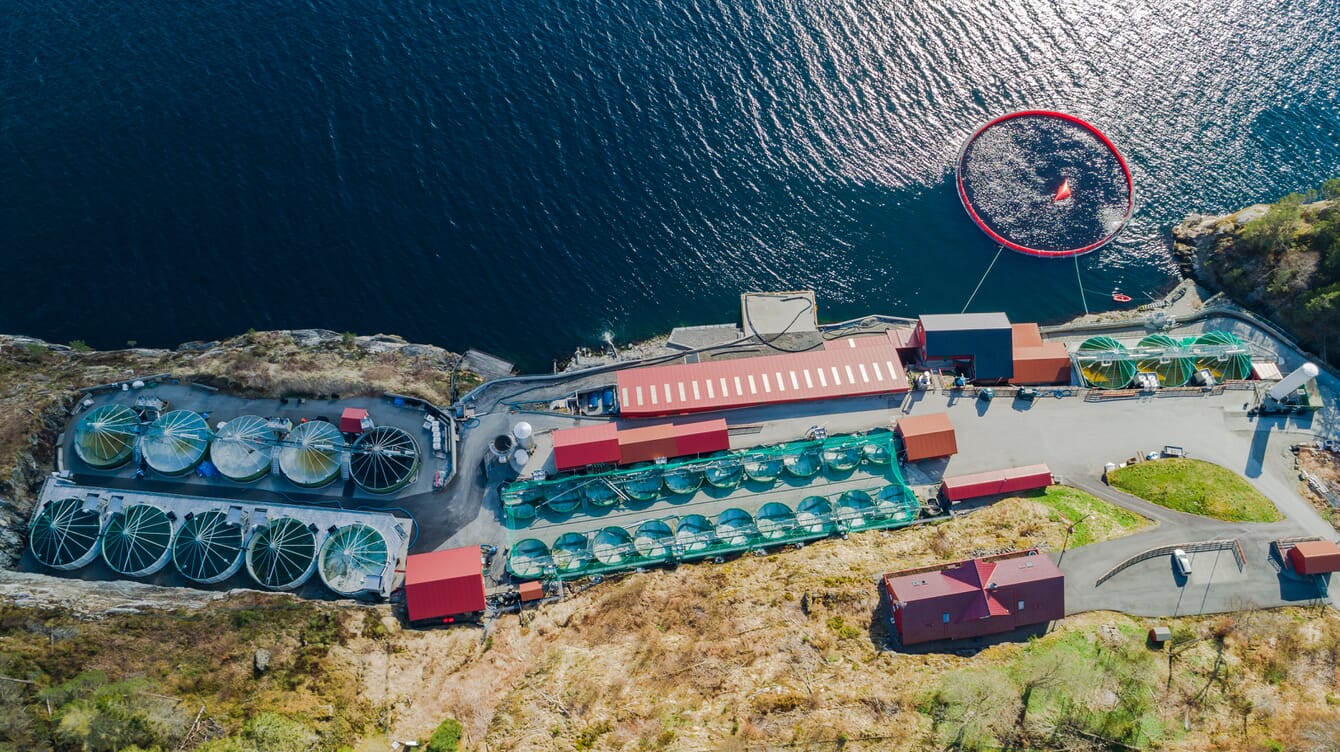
{"points": [[999, 250], [1080, 282]]}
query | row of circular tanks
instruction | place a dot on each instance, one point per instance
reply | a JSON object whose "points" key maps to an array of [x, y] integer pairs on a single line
{"points": [[695, 536], [384, 459], [208, 547]]}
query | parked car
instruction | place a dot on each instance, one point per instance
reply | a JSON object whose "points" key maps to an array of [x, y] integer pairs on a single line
{"points": [[1028, 394], [439, 480], [986, 394], [1182, 562]]}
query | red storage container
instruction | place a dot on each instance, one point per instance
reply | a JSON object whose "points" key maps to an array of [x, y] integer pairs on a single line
{"points": [[588, 445]]}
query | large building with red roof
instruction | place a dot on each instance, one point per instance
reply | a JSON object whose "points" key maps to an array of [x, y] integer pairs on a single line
{"points": [[444, 585], [841, 369], [975, 597]]}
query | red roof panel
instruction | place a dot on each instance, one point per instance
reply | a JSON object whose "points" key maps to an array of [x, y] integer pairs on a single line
{"points": [[586, 445], [769, 379], [351, 420], [444, 583], [646, 443], [702, 436]]}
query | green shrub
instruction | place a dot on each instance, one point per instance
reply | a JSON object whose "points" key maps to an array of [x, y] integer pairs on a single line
{"points": [[79, 345], [446, 738]]}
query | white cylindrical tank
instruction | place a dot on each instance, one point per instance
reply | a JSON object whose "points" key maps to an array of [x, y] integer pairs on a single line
{"points": [[525, 435], [519, 459], [1300, 376]]}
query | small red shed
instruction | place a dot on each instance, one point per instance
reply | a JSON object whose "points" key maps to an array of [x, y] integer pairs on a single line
{"points": [[587, 445], [1315, 557], [530, 591], [1010, 480], [927, 436], [354, 420], [444, 584]]}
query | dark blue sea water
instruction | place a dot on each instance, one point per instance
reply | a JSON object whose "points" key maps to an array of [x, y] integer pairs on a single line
{"points": [[522, 175]]}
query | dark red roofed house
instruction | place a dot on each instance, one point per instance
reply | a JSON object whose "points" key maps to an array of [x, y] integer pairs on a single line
{"points": [[444, 585], [975, 597]]}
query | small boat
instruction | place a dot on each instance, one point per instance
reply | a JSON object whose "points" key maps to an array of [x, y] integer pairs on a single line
{"points": [[1063, 192], [1118, 297]]}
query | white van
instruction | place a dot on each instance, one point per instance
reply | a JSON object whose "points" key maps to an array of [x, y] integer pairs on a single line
{"points": [[1182, 561]]}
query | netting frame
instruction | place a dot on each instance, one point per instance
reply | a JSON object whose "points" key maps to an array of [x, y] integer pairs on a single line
{"points": [[1040, 252]]}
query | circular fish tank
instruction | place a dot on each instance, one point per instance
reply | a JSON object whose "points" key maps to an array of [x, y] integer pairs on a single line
{"points": [[282, 554], [599, 493], [208, 548], [775, 520], [892, 503], [176, 442], [137, 540], [241, 449], [384, 460], [312, 454], [762, 468], [1045, 184], [855, 508], [725, 473], [1169, 369], [528, 559], [354, 560], [735, 527], [813, 514], [519, 500], [1101, 362], [565, 496], [612, 546], [641, 485], [653, 540], [570, 553], [64, 535], [842, 458], [804, 464], [683, 480], [105, 438], [695, 534]]}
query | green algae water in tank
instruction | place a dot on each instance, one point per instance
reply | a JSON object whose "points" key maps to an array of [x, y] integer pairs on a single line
{"points": [[354, 559], [1101, 366], [241, 448], [282, 554], [612, 546], [529, 559], [384, 460], [571, 553], [653, 540], [312, 454], [208, 547], [1171, 370], [64, 535], [176, 442], [724, 472], [814, 514], [137, 541], [695, 535], [1233, 362], [775, 520], [105, 438]]}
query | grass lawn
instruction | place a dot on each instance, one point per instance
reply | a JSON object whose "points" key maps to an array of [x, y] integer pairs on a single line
{"points": [[1195, 487], [1097, 520]]}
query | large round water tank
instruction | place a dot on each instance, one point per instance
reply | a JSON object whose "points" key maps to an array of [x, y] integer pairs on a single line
{"points": [[524, 435]]}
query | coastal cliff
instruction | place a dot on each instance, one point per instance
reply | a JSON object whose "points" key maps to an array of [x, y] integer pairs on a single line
{"points": [[1279, 260]]}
